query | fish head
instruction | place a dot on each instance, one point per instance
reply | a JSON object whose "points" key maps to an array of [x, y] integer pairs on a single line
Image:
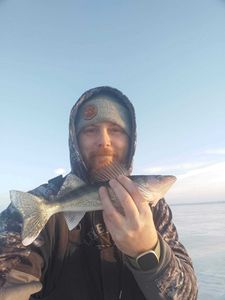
{"points": [[154, 187]]}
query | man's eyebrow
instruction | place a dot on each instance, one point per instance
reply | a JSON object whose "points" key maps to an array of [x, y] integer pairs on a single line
{"points": [[91, 125], [114, 124]]}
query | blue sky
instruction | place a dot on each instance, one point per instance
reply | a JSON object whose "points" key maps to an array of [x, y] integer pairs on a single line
{"points": [[166, 56]]}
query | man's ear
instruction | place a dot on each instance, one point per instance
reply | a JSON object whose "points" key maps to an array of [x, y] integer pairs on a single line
{"points": [[130, 170]]}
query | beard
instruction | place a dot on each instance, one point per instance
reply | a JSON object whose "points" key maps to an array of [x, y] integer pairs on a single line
{"points": [[100, 159]]}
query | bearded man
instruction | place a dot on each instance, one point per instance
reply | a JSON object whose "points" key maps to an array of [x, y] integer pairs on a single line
{"points": [[134, 255]]}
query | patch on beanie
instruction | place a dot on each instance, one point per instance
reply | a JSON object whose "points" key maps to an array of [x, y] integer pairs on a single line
{"points": [[90, 111]]}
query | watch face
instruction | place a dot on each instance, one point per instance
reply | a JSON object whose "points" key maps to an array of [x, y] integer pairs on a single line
{"points": [[148, 261]]}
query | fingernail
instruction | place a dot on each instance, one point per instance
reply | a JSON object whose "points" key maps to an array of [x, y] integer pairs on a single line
{"points": [[112, 182], [120, 176], [102, 190]]}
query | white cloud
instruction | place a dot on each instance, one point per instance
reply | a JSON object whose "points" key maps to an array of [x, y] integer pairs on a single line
{"points": [[203, 184], [176, 168], [218, 151], [155, 170], [60, 171], [203, 159], [197, 181], [210, 171]]}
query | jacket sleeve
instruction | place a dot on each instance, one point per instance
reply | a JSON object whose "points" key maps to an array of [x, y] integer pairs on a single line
{"points": [[21, 268], [14, 256], [174, 277]]}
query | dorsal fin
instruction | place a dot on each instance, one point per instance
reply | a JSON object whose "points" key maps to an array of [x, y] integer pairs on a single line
{"points": [[110, 171], [71, 183]]}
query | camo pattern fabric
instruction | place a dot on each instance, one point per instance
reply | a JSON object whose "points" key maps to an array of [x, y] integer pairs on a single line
{"points": [[176, 280], [12, 251], [11, 248]]}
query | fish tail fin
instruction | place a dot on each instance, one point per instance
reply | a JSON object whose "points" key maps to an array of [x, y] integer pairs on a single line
{"points": [[34, 212]]}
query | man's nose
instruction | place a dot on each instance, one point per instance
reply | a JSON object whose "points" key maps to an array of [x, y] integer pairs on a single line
{"points": [[104, 138]]}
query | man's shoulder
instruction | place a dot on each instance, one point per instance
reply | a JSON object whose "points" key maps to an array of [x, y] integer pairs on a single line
{"points": [[50, 188], [58, 180], [10, 221]]}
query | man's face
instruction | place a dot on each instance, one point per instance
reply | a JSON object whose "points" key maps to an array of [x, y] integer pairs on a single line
{"points": [[101, 144]]}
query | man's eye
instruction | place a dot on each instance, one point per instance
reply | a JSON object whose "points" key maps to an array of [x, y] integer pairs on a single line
{"points": [[116, 130], [90, 130]]}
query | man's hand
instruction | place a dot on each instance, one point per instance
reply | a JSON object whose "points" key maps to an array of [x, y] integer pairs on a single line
{"points": [[134, 232], [20, 291]]}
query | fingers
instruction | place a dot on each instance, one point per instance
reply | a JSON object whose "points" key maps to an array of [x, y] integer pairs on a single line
{"points": [[131, 231], [125, 199], [110, 211], [129, 197], [132, 188]]}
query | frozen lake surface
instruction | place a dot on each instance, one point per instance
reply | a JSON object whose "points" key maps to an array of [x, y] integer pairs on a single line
{"points": [[201, 228]]}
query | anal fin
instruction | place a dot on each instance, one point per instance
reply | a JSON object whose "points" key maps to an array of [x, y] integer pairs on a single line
{"points": [[73, 218]]}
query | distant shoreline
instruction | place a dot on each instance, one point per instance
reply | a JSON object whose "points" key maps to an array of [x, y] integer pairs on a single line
{"points": [[197, 203]]}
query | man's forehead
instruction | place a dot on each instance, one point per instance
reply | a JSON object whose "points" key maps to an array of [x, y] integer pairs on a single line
{"points": [[103, 124]]}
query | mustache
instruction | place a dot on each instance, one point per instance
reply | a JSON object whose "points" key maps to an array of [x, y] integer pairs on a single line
{"points": [[102, 152]]}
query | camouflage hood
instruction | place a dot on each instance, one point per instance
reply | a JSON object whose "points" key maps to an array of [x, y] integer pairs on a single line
{"points": [[77, 164]]}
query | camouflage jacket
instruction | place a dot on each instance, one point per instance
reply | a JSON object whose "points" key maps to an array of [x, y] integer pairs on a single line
{"points": [[85, 264]]}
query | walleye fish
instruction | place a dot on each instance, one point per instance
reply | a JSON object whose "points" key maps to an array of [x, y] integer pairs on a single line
{"points": [[76, 198]]}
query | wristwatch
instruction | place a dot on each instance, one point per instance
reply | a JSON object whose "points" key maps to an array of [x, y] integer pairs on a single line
{"points": [[147, 260]]}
